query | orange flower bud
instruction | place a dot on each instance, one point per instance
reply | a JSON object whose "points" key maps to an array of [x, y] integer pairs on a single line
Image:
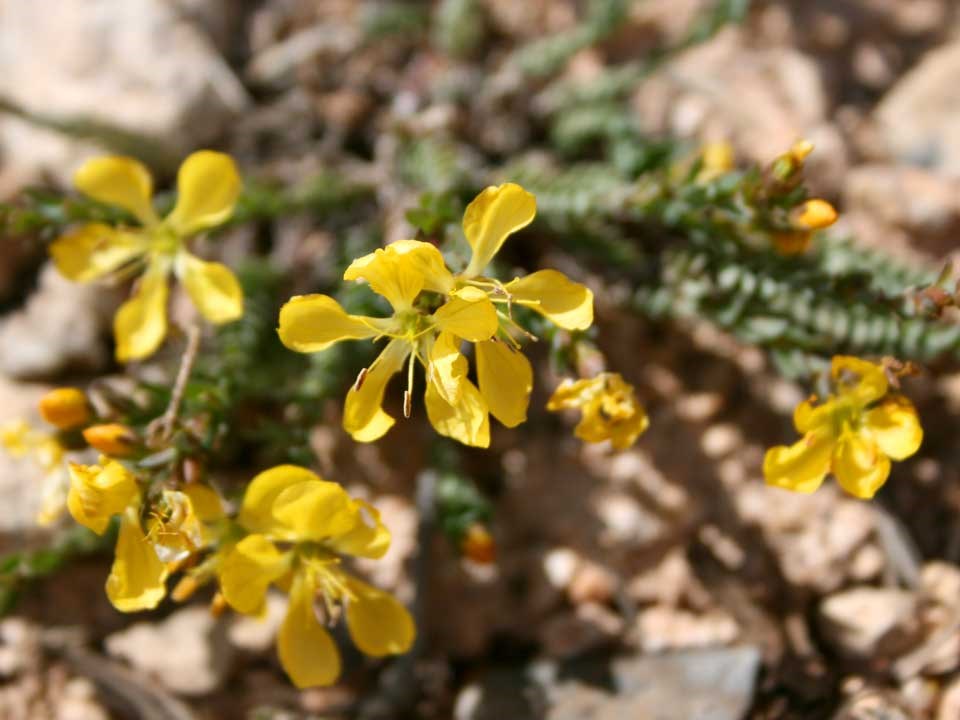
{"points": [[112, 439], [185, 588], [65, 408], [814, 214], [478, 545], [800, 150], [218, 605]]}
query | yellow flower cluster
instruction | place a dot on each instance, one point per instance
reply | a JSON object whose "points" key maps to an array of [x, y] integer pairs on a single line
{"points": [[178, 525], [208, 186], [300, 525], [609, 406], [434, 312], [853, 434], [807, 218]]}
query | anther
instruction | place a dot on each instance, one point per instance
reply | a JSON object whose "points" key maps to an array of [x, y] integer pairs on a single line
{"points": [[361, 376], [407, 403]]}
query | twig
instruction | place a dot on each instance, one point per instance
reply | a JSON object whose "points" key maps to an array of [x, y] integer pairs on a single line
{"points": [[169, 418]]}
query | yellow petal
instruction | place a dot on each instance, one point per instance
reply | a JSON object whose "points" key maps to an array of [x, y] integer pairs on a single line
{"points": [[212, 287], [98, 493], [396, 273], [552, 294], [468, 421], [314, 510], [311, 323], [895, 427], [506, 379], [469, 314], [247, 571], [859, 380], [426, 260], [137, 578], [208, 186], [624, 433], [94, 250], [369, 538], [140, 324], [256, 511], [307, 652], [808, 417], [493, 215], [120, 181], [363, 414], [378, 623], [859, 466], [573, 394], [206, 503], [801, 467], [448, 366]]}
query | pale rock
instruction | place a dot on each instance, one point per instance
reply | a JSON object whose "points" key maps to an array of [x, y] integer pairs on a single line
{"points": [[79, 702], [869, 622], [257, 634], [665, 583], [187, 652], [559, 566], [660, 628], [924, 203], [63, 327], [720, 439], [21, 646], [949, 706], [591, 583], [941, 582], [138, 66], [763, 100], [919, 117]]}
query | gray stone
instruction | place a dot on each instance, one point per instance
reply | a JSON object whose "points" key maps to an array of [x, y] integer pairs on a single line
{"points": [[134, 72]]}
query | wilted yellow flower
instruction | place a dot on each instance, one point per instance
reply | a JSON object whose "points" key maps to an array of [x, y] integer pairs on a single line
{"points": [[852, 434], [806, 219], [65, 408], [21, 440], [609, 406], [208, 186], [300, 525], [478, 545], [470, 308], [97, 493], [112, 439]]}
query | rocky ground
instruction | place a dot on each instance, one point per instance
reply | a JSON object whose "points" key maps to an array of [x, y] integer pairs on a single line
{"points": [[665, 581]]}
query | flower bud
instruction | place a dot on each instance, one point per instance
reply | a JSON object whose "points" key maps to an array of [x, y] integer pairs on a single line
{"points": [[65, 408], [112, 439], [813, 215], [478, 545]]}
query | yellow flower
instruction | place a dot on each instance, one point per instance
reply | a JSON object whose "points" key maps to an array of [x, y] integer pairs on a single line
{"points": [[97, 493], [806, 219], [853, 434], [300, 525], [716, 159], [179, 522], [471, 308], [65, 408], [112, 439], [20, 440], [609, 406], [208, 186]]}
